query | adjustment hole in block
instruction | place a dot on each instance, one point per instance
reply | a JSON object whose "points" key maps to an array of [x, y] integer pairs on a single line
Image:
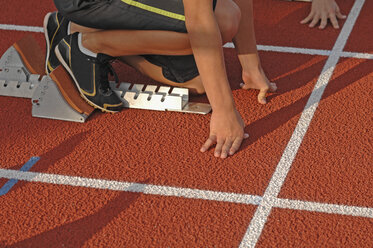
{"points": [[171, 89], [36, 102], [18, 86]]}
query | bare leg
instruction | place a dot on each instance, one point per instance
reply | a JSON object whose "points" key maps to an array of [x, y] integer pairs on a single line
{"points": [[155, 72], [118, 43], [133, 42]]}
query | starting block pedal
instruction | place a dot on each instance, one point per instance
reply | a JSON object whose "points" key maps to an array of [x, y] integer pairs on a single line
{"points": [[56, 97]]}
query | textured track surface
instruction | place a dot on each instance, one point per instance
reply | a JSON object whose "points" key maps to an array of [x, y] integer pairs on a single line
{"points": [[137, 178]]}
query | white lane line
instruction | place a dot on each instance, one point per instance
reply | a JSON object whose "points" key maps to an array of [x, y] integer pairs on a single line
{"points": [[283, 49], [21, 28], [267, 48], [183, 192], [308, 51], [357, 55], [324, 208], [130, 187], [257, 223]]}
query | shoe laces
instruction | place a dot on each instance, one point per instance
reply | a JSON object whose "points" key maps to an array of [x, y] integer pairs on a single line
{"points": [[106, 68]]}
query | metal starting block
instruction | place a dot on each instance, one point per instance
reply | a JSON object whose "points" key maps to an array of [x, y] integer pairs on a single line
{"points": [[22, 75], [160, 98], [55, 96]]}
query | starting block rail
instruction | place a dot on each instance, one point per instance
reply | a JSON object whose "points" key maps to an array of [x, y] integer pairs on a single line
{"points": [[55, 96]]}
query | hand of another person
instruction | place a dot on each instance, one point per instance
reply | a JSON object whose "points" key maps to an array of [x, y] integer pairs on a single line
{"points": [[322, 10], [227, 132]]}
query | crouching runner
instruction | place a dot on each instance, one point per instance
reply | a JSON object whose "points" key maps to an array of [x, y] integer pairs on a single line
{"points": [[176, 42]]}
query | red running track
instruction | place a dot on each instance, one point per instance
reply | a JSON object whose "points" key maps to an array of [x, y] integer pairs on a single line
{"points": [[332, 166]]}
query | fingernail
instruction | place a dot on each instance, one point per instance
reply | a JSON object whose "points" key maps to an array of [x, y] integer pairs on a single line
{"points": [[216, 154], [246, 135]]}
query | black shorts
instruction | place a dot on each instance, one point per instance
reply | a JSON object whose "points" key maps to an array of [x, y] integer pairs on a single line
{"points": [[136, 15]]}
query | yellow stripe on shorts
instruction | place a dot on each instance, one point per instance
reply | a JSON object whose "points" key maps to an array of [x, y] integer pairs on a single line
{"points": [[155, 10]]}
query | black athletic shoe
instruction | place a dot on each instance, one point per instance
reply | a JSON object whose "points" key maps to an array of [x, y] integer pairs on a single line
{"points": [[55, 28], [89, 73]]}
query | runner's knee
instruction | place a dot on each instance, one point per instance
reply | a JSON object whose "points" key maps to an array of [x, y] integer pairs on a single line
{"points": [[228, 16]]}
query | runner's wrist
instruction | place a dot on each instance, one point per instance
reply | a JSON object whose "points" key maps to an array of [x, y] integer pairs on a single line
{"points": [[223, 108], [249, 62]]}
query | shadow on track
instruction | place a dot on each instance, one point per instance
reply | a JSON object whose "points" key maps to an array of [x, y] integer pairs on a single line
{"points": [[77, 233]]}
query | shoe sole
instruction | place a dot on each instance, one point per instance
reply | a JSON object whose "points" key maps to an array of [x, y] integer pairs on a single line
{"points": [[62, 61], [45, 24]]}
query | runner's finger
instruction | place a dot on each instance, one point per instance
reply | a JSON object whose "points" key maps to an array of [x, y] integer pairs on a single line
{"points": [[334, 21], [209, 142], [235, 146], [272, 87], [339, 14], [218, 148], [314, 21], [262, 96], [244, 86], [307, 19], [324, 21], [225, 149]]}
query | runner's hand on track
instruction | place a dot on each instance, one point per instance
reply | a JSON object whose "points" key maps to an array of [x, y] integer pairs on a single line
{"points": [[255, 78], [324, 10], [227, 132]]}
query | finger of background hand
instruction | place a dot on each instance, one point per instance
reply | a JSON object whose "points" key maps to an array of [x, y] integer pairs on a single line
{"points": [[334, 21], [314, 21], [209, 142], [324, 21], [227, 145], [307, 19], [218, 148], [262, 96], [235, 146], [340, 15]]}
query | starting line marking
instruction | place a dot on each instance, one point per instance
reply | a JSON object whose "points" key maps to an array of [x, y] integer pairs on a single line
{"points": [[267, 48], [189, 193], [263, 211], [26, 167], [130, 187]]}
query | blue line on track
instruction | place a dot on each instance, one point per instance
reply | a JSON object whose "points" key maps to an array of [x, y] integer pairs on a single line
{"points": [[26, 167]]}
